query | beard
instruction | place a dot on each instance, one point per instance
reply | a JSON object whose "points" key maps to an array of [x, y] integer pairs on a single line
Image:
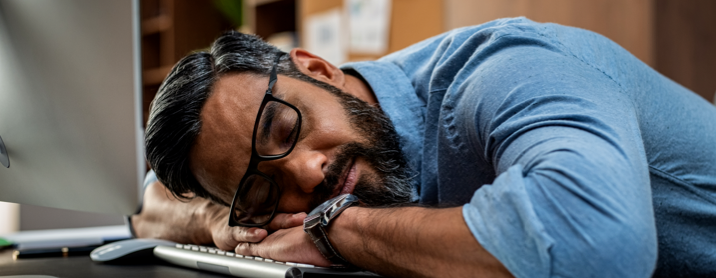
{"points": [[389, 185]]}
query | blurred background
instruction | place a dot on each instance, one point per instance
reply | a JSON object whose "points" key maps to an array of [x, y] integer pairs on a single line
{"points": [[675, 37]]}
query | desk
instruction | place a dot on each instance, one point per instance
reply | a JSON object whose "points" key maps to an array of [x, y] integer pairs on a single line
{"points": [[82, 266]]}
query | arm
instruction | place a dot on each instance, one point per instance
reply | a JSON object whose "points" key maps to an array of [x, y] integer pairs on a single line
{"points": [[413, 242], [197, 221], [572, 195], [404, 242]]}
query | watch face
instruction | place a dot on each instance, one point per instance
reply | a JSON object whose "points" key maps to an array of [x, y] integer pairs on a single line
{"points": [[321, 207], [338, 202]]}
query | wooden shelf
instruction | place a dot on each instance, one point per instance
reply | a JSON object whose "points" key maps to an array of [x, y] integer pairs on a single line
{"points": [[155, 76], [170, 30], [156, 24], [254, 3]]}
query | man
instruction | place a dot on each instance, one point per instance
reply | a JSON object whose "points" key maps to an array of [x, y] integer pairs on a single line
{"points": [[533, 150]]}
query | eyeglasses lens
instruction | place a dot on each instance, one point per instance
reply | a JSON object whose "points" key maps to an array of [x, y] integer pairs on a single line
{"points": [[256, 200], [277, 130]]}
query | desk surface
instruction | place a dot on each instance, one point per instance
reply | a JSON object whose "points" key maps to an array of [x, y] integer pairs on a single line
{"points": [[82, 266]]}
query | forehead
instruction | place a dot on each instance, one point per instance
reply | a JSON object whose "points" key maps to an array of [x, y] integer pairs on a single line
{"points": [[222, 149]]}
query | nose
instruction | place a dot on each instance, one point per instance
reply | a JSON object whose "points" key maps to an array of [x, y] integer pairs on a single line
{"points": [[304, 168]]}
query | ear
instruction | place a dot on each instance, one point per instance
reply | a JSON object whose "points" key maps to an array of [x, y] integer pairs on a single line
{"points": [[317, 68]]}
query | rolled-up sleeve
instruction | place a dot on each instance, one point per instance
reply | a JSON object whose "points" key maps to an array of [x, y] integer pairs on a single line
{"points": [[572, 196]]}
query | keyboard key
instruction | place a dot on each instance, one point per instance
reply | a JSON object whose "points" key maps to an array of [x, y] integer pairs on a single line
{"points": [[212, 251], [230, 254], [249, 257], [259, 259], [268, 260], [239, 256], [179, 246], [291, 264], [221, 252], [203, 249], [305, 265], [279, 262], [194, 248]]}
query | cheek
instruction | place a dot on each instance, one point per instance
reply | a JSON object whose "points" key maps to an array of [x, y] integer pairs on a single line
{"points": [[332, 122]]}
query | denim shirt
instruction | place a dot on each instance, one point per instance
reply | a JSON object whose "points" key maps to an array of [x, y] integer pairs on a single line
{"points": [[570, 156]]}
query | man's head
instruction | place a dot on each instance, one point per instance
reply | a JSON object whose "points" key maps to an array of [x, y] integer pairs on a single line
{"points": [[199, 134]]}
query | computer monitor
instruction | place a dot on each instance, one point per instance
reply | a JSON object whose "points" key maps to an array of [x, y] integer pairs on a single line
{"points": [[70, 104]]}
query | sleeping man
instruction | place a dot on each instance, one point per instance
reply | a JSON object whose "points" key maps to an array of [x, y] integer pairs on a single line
{"points": [[511, 148]]}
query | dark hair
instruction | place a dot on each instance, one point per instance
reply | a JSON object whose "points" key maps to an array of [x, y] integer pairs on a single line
{"points": [[174, 119]]}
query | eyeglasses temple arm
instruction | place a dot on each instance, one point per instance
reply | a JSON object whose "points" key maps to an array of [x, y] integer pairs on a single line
{"points": [[273, 78]]}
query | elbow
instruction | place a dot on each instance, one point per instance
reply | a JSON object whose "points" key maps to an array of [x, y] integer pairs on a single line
{"points": [[633, 252], [616, 250]]}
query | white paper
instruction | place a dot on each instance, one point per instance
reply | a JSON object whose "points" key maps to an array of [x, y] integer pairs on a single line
{"points": [[368, 25], [325, 36]]}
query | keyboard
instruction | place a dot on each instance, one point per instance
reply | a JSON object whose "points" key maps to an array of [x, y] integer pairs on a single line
{"points": [[219, 261]]}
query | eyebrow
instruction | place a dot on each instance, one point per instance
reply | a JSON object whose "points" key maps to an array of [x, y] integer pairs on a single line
{"points": [[277, 93]]}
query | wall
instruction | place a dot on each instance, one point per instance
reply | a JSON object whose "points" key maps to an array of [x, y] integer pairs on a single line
{"points": [[677, 38], [411, 21], [628, 23], [685, 40]]}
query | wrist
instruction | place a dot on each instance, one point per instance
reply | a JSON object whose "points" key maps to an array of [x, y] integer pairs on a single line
{"points": [[212, 216], [345, 231], [318, 221]]}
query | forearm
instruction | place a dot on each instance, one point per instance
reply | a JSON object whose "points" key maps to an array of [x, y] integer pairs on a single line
{"points": [[412, 242], [166, 217]]}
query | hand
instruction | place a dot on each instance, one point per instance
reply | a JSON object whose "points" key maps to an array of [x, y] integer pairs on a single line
{"points": [[197, 221], [287, 245], [227, 238]]}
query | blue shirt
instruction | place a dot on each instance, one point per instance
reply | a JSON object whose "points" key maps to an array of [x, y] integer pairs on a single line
{"points": [[570, 156]]}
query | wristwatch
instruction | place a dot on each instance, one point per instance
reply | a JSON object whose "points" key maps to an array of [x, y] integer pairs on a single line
{"points": [[316, 223]]}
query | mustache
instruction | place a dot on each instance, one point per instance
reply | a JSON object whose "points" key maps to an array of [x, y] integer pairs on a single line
{"points": [[323, 191]]}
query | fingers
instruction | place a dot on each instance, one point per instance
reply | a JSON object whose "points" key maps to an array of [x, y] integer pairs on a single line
{"points": [[242, 234], [263, 248], [247, 249], [288, 245], [286, 220], [229, 237]]}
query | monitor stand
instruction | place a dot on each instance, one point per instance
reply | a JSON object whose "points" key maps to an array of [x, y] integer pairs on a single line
{"points": [[4, 157]]}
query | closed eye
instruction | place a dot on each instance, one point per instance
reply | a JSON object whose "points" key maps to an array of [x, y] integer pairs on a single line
{"points": [[267, 121]]}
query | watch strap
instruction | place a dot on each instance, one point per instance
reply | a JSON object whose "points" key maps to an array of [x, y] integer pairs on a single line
{"points": [[320, 239], [317, 222]]}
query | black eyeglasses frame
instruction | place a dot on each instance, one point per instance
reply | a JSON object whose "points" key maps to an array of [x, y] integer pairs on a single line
{"points": [[256, 158]]}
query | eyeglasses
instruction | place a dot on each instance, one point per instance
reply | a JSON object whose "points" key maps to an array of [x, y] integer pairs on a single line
{"points": [[275, 135]]}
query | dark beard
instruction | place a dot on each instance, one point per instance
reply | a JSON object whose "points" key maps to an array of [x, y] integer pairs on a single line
{"points": [[390, 185]]}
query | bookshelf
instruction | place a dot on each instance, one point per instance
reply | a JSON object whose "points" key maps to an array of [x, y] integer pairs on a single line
{"points": [[170, 30]]}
